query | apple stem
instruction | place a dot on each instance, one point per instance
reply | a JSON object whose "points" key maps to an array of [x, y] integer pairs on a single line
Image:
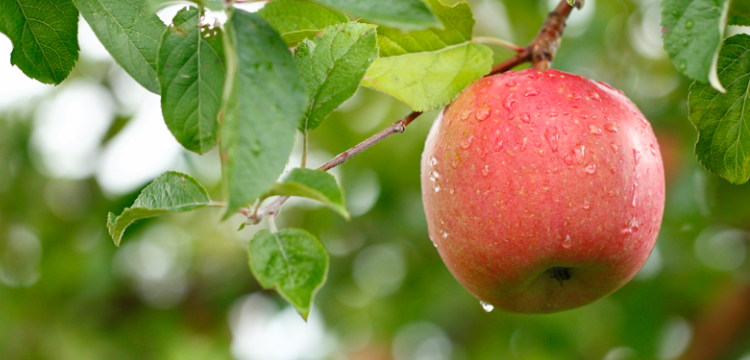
{"points": [[540, 53]]}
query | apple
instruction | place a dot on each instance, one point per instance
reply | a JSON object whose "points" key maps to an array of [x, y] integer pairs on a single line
{"points": [[543, 190]]}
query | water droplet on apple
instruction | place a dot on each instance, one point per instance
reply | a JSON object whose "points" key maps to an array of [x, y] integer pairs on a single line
{"points": [[552, 114], [595, 130], [466, 143], [432, 161], [635, 188], [611, 193], [553, 138], [568, 159], [465, 115], [451, 191], [509, 102], [498, 144], [568, 242], [653, 149], [614, 147], [636, 156], [454, 163], [579, 153], [591, 168], [586, 205], [531, 92], [443, 234], [436, 187], [487, 307], [434, 175], [611, 127], [525, 117], [631, 227], [486, 171], [537, 142], [483, 113], [524, 144], [510, 84]]}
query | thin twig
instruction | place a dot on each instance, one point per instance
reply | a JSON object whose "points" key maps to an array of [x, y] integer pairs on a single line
{"points": [[540, 53], [499, 42]]}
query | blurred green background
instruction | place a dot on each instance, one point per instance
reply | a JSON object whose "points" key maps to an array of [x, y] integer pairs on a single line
{"points": [[180, 287]]}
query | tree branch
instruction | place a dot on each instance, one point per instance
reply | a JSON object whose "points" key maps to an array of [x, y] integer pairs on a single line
{"points": [[540, 53]]}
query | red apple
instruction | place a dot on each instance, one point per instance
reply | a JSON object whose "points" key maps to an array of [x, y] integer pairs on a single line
{"points": [[543, 190]]}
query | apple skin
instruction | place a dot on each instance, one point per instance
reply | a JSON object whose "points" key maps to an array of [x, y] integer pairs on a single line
{"points": [[543, 190]]}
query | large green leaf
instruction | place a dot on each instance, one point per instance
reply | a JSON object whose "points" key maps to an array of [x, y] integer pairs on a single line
{"points": [[458, 24], [693, 31], [312, 184], [172, 192], [429, 80], [297, 20], [739, 12], [400, 14], [44, 34], [333, 65], [191, 75], [264, 102], [291, 261], [131, 32], [723, 120]]}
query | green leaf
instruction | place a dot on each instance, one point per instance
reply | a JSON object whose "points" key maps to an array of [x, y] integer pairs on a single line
{"points": [[723, 120], [693, 31], [131, 32], [332, 66], [429, 80], [401, 14], [297, 20], [313, 184], [458, 24], [293, 262], [264, 100], [739, 13], [44, 34], [171, 192], [191, 75]]}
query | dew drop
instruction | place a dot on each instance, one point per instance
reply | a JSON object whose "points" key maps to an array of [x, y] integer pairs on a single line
{"points": [[498, 144], [524, 144], [432, 161], [531, 92], [465, 115], [434, 175], [586, 205], [454, 163], [635, 188], [591, 168], [568, 159], [537, 142], [611, 193], [483, 113], [486, 171], [466, 143], [685, 42], [553, 138], [509, 102], [631, 227], [689, 24], [595, 96], [568, 242], [682, 66], [552, 114], [444, 234], [487, 307], [653, 149], [451, 191], [611, 127], [436, 187], [579, 153], [595, 130], [636, 156], [510, 84], [614, 147], [525, 117]]}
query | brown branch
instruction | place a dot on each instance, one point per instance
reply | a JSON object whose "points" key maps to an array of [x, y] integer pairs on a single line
{"points": [[540, 52]]}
